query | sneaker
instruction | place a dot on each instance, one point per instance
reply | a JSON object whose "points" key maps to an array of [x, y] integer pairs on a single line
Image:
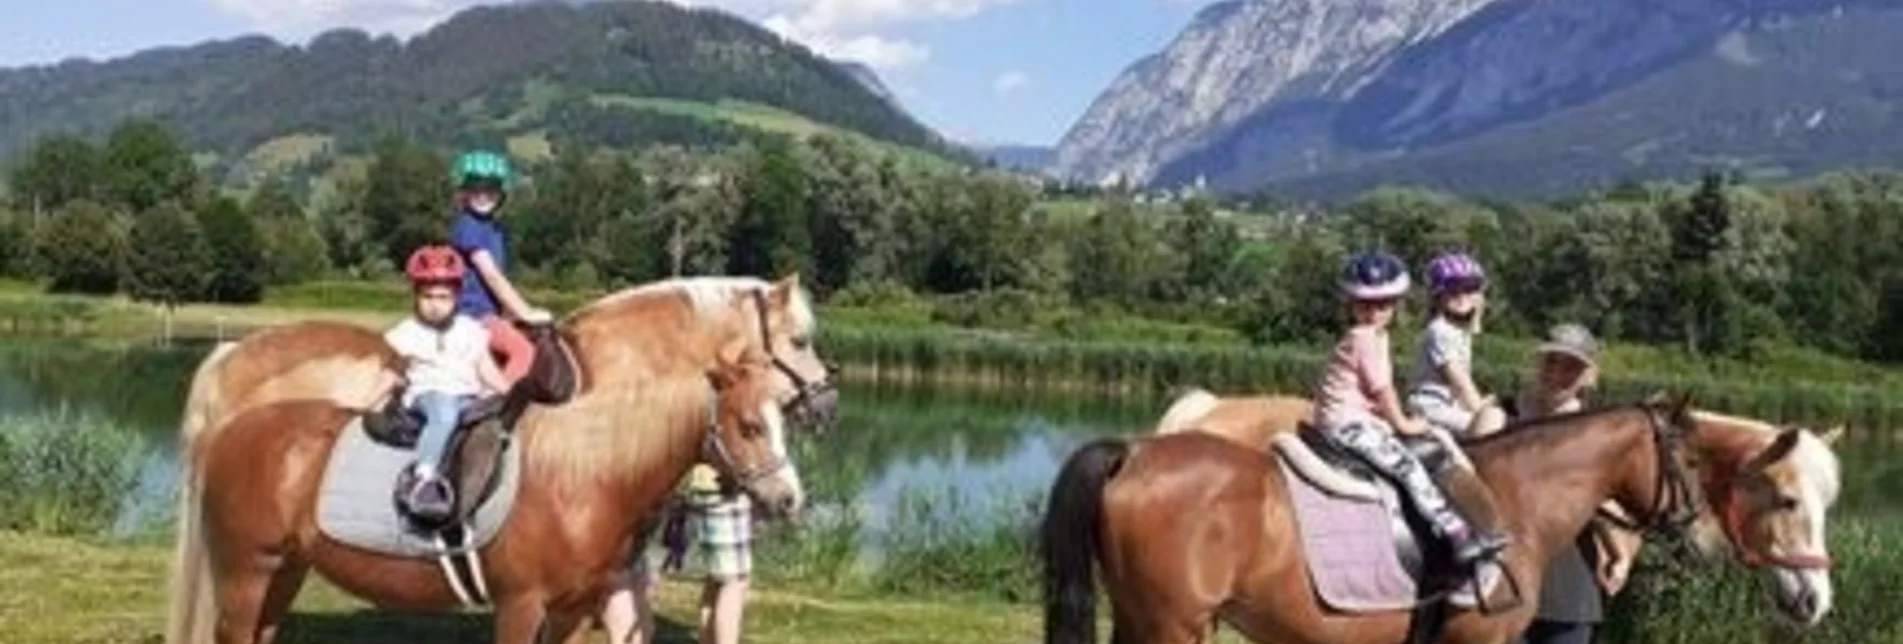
{"points": [[430, 498], [1471, 548]]}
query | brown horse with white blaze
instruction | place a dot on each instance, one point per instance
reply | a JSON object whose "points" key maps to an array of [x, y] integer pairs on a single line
{"points": [[1190, 528], [1770, 488], [265, 412]]}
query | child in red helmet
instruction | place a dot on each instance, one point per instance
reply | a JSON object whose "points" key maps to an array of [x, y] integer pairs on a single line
{"points": [[449, 365]]}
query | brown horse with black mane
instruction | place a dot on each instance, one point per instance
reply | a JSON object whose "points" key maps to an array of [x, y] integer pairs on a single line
{"points": [[659, 364], [1190, 528]]}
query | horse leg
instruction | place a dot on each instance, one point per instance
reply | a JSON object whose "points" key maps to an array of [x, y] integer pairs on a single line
{"points": [[241, 599], [563, 628], [278, 598], [520, 621]]}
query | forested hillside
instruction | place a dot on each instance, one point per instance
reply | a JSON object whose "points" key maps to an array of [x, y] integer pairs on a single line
{"points": [[483, 76]]}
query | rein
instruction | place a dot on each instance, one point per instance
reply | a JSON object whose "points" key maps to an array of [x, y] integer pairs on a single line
{"points": [[1670, 490]]}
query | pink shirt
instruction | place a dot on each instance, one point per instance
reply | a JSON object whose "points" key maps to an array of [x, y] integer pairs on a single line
{"points": [[1360, 369]]}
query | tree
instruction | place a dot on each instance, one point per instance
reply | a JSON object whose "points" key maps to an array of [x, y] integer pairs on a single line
{"points": [[1117, 258], [235, 254], [273, 201], [58, 170], [80, 248], [294, 252], [168, 262], [1207, 246], [405, 199], [771, 236], [14, 243], [145, 166]]}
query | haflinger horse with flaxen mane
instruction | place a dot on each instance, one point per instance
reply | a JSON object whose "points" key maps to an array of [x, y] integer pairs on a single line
{"points": [[1770, 488], [1190, 528], [658, 365]]}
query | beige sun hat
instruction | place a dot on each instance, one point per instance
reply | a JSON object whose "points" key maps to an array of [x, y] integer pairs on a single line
{"points": [[1573, 340]]}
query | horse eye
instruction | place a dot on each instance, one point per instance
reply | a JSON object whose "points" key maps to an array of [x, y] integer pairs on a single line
{"points": [[802, 341], [1786, 503], [752, 428]]}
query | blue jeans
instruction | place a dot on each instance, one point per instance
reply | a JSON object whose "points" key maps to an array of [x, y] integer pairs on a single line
{"points": [[440, 412]]}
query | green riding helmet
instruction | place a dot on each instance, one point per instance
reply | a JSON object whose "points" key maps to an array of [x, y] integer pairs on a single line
{"points": [[479, 167]]}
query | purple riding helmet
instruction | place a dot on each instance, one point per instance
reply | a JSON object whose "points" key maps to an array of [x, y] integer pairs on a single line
{"points": [[1454, 272]]}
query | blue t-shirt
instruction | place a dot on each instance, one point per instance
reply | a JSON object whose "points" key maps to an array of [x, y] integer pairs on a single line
{"points": [[469, 234]]}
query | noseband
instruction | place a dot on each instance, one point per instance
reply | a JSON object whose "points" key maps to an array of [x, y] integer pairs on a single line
{"points": [[714, 450], [805, 392]]}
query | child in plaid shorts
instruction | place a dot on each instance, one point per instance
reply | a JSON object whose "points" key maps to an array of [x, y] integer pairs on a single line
{"points": [[724, 518]]}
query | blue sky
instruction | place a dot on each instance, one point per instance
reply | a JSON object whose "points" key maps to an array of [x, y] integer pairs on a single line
{"points": [[1017, 71]]}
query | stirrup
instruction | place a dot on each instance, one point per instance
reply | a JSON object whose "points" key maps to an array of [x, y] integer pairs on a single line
{"points": [[1515, 598]]}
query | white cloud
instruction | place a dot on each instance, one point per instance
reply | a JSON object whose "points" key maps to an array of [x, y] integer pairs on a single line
{"points": [[857, 30], [302, 18], [1010, 81]]}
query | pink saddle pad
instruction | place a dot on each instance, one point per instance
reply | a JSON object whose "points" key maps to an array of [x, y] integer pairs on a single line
{"points": [[1351, 554]]}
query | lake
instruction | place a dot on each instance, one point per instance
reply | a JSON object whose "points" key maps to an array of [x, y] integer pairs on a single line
{"points": [[892, 443]]}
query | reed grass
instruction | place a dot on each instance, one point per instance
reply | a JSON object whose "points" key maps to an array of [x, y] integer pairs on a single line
{"points": [[65, 473]]}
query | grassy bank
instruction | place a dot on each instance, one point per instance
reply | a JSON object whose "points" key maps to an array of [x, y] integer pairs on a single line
{"points": [[66, 590]]}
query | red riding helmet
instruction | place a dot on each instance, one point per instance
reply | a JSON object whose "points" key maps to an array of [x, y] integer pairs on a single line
{"points": [[434, 265]]}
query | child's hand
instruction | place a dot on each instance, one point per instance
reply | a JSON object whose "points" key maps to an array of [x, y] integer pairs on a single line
{"points": [[1411, 426], [536, 316]]}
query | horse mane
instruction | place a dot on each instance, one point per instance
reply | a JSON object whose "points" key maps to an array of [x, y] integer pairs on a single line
{"points": [[645, 385], [1814, 460], [1528, 429], [707, 296]]}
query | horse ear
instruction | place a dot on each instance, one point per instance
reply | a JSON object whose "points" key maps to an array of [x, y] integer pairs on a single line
{"points": [[1780, 448], [783, 290], [1830, 437], [721, 376], [733, 353]]}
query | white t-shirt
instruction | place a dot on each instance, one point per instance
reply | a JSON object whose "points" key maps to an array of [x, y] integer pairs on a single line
{"points": [[1443, 344], [443, 361]]}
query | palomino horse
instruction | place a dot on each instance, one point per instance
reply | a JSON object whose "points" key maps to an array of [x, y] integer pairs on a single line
{"points": [[264, 413], [1770, 487], [1190, 528]]}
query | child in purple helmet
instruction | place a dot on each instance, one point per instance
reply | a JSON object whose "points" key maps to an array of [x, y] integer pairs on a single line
{"points": [[1357, 409], [1444, 392]]}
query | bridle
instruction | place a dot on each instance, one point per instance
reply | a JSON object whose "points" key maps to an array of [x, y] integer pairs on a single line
{"points": [[1733, 521], [1671, 489], [806, 393], [1732, 514], [714, 451]]}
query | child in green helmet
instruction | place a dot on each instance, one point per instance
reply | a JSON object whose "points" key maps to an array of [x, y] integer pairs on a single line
{"points": [[482, 181]]}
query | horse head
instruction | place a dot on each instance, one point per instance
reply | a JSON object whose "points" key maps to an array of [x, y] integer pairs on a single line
{"points": [[746, 432], [786, 324], [1769, 503]]}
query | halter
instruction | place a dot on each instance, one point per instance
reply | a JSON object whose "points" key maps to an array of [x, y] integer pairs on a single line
{"points": [[1669, 490], [1752, 557], [714, 450], [805, 391]]}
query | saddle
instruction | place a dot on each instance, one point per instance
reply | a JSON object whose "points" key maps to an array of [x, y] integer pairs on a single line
{"points": [[483, 430], [1369, 549]]}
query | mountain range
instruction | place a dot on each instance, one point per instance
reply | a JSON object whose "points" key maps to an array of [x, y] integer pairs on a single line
{"points": [[1326, 98]]}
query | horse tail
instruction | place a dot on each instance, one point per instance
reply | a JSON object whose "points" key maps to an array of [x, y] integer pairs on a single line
{"points": [[205, 399], [1070, 541], [192, 609], [1188, 408]]}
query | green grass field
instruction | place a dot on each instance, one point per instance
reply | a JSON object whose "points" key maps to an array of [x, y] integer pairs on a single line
{"points": [[72, 591]]}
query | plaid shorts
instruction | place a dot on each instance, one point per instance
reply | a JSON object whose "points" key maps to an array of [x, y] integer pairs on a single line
{"points": [[725, 535]]}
